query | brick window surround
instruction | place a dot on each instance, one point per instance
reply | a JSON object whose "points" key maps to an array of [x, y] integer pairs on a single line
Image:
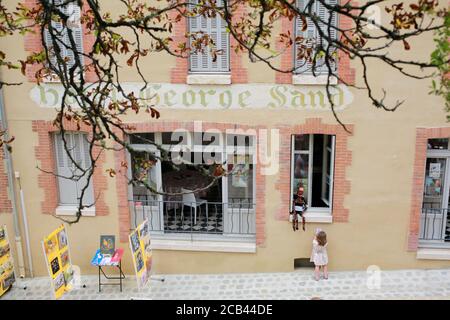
{"points": [[179, 73], [47, 182], [168, 126], [33, 44], [345, 72], [422, 136], [343, 159], [5, 202]]}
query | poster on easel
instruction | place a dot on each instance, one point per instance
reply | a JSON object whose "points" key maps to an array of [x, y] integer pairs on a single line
{"points": [[7, 276], [57, 256], [141, 252]]}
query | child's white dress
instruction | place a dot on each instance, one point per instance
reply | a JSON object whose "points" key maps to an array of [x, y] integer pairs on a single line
{"points": [[319, 254]]}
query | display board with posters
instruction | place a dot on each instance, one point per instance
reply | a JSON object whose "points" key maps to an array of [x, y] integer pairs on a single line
{"points": [[57, 256], [141, 252], [7, 276]]}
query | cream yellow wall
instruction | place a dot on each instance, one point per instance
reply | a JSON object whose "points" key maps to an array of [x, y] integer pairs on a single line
{"points": [[382, 145]]}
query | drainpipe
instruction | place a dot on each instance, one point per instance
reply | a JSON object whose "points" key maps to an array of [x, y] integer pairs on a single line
{"points": [[9, 169], [25, 225]]}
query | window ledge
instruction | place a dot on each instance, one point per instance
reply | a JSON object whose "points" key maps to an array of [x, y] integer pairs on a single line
{"points": [[318, 217], [213, 246], [307, 79], [209, 79], [72, 210], [433, 254]]}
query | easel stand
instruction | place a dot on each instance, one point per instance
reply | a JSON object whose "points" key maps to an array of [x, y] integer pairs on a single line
{"points": [[160, 279], [120, 278]]}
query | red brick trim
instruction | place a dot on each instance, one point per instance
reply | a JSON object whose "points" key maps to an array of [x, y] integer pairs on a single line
{"points": [[44, 153], [178, 74], [422, 135], [5, 202], [168, 126], [345, 72], [287, 57], [343, 159], [239, 74], [33, 44]]}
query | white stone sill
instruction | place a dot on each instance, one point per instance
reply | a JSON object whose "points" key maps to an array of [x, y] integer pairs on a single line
{"points": [[197, 78], [318, 217], [72, 211], [433, 254], [306, 79], [195, 245]]}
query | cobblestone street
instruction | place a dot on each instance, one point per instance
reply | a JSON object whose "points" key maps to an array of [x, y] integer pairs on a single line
{"points": [[401, 284]]}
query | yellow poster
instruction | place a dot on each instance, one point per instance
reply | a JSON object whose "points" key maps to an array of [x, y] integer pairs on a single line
{"points": [[57, 256], [142, 253], [7, 276]]}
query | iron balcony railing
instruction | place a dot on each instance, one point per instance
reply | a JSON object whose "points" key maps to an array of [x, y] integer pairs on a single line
{"points": [[435, 225], [236, 217]]}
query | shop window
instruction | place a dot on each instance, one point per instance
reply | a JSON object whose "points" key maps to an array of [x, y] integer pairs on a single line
{"points": [[142, 138], [435, 216], [312, 166]]}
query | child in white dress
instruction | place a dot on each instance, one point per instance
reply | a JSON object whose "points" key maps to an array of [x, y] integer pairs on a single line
{"points": [[319, 254]]}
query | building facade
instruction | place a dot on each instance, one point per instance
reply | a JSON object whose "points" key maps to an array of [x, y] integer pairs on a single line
{"points": [[380, 190]]}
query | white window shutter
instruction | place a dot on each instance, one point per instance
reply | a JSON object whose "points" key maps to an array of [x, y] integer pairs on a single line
{"points": [[301, 65], [224, 44], [49, 46], [215, 27], [82, 158], [74, 13], [67, 187], [324, 14], [70, 190]]}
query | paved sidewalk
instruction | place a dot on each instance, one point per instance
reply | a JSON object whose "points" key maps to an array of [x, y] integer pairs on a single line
{"points": [[401, 284]]}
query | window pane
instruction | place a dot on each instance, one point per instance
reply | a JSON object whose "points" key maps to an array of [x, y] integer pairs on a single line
{"points": [[143, 170], [239, 140], [301, 142], [174, 137], [438, 144], [240, 182], [188, 177], [300, 170], [434, 183], [206, 139], [142, 138]]}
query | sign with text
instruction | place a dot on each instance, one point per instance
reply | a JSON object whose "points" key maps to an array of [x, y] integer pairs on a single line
{"points": [[206, 97], [7, 277], [142, 253], [57, 256]]}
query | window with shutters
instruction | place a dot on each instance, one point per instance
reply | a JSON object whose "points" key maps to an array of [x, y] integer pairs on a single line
{"points": [[69, 190], [62, 38], [203, 61], [313, 39]]}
